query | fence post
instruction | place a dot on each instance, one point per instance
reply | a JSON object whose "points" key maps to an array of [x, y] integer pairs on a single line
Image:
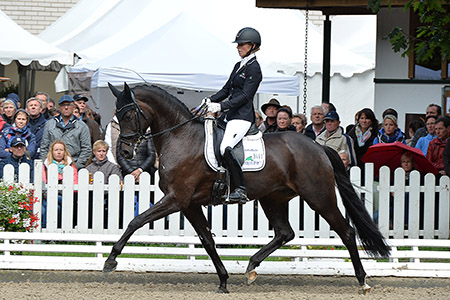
{"points": [[38, 187]]}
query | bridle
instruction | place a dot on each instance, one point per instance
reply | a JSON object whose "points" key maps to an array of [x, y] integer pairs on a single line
{"points": [[141, 135]]}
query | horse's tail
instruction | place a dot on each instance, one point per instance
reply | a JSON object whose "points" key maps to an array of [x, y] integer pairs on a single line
{"points": [[371, 238]]}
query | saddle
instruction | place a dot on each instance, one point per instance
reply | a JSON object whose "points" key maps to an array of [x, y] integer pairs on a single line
{"points": [[250, 153]]}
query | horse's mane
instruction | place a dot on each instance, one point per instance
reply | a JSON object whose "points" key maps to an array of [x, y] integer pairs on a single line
{"points": [[169, 99]]}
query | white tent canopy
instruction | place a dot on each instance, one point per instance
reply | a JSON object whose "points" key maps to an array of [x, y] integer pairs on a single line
{"points": [[18, 44], [168, 56]]}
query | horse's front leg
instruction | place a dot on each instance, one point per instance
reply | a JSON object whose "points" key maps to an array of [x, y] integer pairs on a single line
{"points": [[196, 217], [160, 210]]}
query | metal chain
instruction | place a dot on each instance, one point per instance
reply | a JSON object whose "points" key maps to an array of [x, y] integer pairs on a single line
{"points": [[305, 71]]}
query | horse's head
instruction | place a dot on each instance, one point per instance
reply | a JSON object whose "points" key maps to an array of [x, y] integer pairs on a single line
{"points": [[132, 120]]}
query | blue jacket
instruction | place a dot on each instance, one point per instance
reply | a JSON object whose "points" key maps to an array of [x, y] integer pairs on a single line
{"points": [[37, 128], [423, 142], [15, 162], [8, 133], [240, 89], [382, 137]]}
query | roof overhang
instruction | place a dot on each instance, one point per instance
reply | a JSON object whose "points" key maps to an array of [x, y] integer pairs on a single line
{"points": [[328, 7]]}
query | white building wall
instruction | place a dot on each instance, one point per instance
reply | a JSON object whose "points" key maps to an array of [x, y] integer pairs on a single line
{"points": [[35, 15]]}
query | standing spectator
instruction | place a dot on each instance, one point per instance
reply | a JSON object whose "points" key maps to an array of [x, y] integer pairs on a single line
{"points": [[85, 110], [2, 123], [390, 132], [58, 154], [424, 141], [413, 126], [432, 110], [94, 129], [19, 128], [10, 105], [18, 148], [328, 106], [50, 104], [44, 97], [363, 133], [446, 158], [270, 110], [318, 125], [335, 138], [299, 121], [284, 117], [112, 132], [73, 132], [258, 119], [437, 145], [37, 122]]}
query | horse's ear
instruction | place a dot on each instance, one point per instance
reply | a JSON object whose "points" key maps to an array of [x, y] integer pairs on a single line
{"points": [[114, 90], [126, 88]]}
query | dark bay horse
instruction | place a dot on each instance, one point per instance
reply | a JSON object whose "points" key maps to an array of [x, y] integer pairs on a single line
{"points": [[295, 166]]}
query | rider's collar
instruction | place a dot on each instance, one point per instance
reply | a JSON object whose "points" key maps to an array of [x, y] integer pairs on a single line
{"points": [[246, 59]]}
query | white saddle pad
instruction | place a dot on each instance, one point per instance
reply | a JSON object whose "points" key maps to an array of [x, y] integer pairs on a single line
{"points": [[254, 150]]}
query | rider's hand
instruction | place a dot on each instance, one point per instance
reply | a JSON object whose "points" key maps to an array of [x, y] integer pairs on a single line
{"points": [[205, 100], [213, 107]]}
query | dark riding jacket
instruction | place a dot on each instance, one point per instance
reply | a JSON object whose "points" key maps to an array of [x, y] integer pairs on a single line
{"points": [[240, 89]]}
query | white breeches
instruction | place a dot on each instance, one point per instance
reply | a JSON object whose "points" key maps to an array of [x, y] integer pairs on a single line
{"points": [[234, 132]]}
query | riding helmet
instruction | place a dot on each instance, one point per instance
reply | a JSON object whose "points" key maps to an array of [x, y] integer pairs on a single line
{"points": [[248, 35]]}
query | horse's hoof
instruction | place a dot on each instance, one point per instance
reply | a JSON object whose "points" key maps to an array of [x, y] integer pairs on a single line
{"points": [[222, 290], [110, 265], [365, 289], [251, 276]]}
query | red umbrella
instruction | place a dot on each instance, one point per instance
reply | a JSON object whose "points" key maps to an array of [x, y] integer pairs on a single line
{"points": [[390, 155]]}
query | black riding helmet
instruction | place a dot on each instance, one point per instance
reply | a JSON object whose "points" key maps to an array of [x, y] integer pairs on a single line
{"points": [[249, 35]]}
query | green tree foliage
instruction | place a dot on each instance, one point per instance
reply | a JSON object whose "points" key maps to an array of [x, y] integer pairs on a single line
{"points": [[432, 37]]}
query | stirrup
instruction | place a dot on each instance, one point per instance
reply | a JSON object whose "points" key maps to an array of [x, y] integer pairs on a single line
{"points": [[239, 196]]}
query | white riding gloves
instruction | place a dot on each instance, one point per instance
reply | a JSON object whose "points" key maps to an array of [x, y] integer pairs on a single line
{"points": [[213, 107], [205, 100]]}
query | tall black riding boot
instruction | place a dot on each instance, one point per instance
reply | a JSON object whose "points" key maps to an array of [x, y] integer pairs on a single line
{"points": [[237, 177]]}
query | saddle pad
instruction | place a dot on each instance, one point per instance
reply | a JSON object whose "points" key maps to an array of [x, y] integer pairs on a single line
{"points": [[254, 150]]}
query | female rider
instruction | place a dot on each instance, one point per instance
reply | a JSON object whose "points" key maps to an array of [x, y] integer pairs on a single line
{"points": [[239, 112]]}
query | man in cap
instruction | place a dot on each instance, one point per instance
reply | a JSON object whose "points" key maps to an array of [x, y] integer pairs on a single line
{"points": [[270, 110], [69, 129], [18, 149], [94, 127], [80, 101], [335, 138]]}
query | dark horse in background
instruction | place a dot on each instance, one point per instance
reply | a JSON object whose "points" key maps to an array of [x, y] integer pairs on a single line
{"points": [[295, 166]]}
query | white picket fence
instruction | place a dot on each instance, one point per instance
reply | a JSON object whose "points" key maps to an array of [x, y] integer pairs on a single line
{"points": [[419, 247]]}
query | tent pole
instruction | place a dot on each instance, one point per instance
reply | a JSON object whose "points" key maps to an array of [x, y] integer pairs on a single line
{"points": [[326, 60]]}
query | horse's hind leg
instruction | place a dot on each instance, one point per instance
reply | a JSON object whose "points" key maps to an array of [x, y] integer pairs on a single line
{"points": [[161, 209], [277, 213], [337, 222], [197, 219]]}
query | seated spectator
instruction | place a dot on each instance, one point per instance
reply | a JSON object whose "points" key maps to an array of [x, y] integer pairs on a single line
{"points": [[413, 126], [94, 128], [363, 133], [17, 148], [270, 110], [36, 122], [284, 117], [10, 105], [390, 132], [299, 121], [100, 162], [437, 145], [19, 128], [317, 125], [335, 138], [144, 160], [424, 141], [59, 155]]}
